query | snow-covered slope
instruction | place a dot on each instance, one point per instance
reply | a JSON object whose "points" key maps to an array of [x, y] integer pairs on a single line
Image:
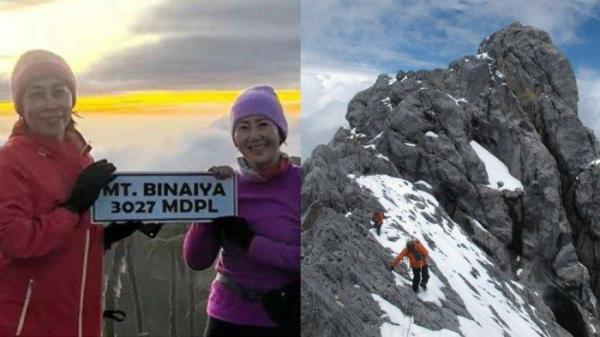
{"points": [[497, 306], [497, 172]]}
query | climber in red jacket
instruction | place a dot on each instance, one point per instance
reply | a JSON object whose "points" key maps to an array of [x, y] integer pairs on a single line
{"points": [[417, 256], [377, 219]]}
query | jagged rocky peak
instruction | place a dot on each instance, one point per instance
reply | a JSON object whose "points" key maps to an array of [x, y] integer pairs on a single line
{"points": [[519, 48], [496, 140]]}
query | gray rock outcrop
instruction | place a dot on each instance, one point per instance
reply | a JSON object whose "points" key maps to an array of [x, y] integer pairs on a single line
{"points": [[517, 98]]}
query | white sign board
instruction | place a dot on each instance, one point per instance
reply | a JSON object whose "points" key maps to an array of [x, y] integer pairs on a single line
{"points": [[165, 197]]}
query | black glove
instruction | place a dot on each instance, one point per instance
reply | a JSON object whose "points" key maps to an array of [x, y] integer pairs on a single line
{"points": [[151, 229], [118, 231], [235, 228], [89, 184], [115, 315]]}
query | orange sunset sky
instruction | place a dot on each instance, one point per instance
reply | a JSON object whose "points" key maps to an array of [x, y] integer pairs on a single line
{"points": [[205, 102]]}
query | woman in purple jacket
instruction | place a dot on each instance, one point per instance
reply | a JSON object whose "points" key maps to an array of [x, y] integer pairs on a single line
{"points": [[257, 288]]}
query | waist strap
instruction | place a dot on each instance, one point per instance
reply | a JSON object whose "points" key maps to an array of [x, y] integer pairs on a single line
{"points": [[247, 294]]}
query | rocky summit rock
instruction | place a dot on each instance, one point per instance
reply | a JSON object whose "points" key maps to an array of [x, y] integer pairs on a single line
{"points": [[496, 139]]}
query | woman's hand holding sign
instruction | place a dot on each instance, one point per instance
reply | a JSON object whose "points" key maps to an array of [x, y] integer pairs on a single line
{"points": [[89, 184], [236, 229], [222, 172], [232, 228], [117, 231]]}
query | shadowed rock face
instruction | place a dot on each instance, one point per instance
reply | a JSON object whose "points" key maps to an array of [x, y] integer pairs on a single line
{"points": [[517, 98], [566, 312]]}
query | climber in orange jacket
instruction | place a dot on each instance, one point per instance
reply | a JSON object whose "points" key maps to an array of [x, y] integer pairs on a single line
{"points": [[417, 255], [378, 220]]}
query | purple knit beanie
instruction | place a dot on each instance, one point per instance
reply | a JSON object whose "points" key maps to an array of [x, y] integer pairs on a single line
{"points": [[260, 101]]}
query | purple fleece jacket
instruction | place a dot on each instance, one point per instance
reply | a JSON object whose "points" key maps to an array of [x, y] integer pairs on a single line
{"points": [[273, 259]]}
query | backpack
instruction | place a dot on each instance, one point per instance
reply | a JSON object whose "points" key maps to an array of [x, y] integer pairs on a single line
{"points": [[413, 250]]}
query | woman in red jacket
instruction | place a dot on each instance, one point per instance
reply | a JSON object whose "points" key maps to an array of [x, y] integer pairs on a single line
{"points": [[50, 253]]}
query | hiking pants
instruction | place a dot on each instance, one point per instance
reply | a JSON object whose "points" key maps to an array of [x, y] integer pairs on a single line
{"points": [[218, 328], [417, 272], [378, 227]]}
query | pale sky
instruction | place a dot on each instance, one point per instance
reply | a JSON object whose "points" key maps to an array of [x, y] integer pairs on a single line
{"points": [[129, 45], [82, 32]]}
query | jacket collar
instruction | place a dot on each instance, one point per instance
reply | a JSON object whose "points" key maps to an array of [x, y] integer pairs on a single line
{"points": [[46, 146]]}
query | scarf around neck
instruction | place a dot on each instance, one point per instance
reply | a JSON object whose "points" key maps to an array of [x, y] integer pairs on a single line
{"points": [[263, 176]]}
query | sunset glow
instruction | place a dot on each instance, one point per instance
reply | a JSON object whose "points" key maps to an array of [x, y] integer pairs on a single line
{"points": [[214, 102]]}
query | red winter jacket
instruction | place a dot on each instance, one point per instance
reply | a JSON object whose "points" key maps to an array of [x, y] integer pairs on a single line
{"points": [[50, 258], [416, 260], [378, 217]]}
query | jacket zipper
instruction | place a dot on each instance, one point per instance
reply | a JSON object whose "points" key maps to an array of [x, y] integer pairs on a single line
{"points": [[83, 278], [25, 307]]}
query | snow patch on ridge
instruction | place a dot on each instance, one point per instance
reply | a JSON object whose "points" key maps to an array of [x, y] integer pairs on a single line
{"points": [[354, 134], [377, 137], [484, 56], [593, 163], [477, 224], [497, 172], [391, 79], [459, 100], [388, 103]]}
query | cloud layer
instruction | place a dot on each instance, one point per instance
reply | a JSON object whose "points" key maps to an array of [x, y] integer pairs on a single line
{"points": [[209, 45], [175, 44], [325, 96], [195, 149]]}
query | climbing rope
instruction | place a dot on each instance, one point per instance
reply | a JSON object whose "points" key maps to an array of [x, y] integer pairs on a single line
{"points": [[410, 317]]}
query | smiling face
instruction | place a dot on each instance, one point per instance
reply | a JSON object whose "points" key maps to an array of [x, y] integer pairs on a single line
{"points": [[257, 138], [47, 107]]}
